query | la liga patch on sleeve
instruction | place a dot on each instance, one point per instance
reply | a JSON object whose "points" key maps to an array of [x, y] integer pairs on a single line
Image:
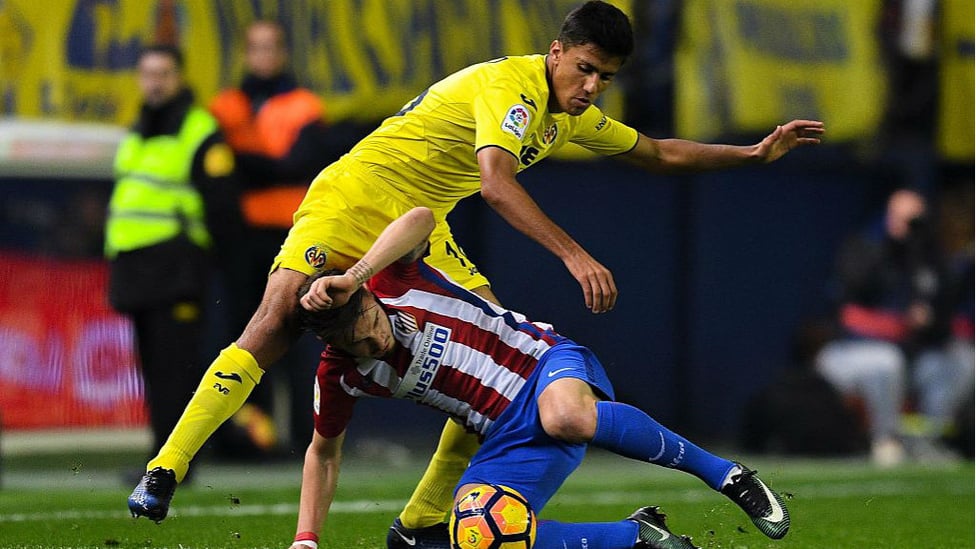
{"points": [[517, 120]]}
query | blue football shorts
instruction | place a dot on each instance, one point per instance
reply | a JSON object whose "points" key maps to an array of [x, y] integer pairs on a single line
{"points": [[516, 451]]}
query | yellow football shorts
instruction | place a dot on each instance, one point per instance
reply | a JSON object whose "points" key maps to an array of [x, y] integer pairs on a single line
{"points": [[342, 215]]}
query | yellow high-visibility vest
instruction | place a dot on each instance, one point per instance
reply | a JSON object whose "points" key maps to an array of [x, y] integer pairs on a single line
{"points": [[154, 199]]}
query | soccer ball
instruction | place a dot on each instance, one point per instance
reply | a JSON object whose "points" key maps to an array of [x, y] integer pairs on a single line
{"points": [[490, 516]]}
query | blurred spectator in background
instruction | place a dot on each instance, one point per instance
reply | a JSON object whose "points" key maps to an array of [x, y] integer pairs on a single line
{"points": [[174, 197], [278, 133], [895, 305]]}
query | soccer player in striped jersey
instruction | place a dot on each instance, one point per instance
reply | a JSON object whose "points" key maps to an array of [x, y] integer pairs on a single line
{"points": [[399, 328]]}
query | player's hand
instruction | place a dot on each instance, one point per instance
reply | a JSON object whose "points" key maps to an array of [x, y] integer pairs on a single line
{"points": [[599, 289], [329, 291], [788, 137]]}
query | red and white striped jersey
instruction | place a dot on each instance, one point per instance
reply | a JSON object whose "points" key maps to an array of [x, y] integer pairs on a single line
{"points": [[454, 351]]}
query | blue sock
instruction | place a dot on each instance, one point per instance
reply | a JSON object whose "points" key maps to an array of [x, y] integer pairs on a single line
{"points": [[551, 534], [629, 432]]}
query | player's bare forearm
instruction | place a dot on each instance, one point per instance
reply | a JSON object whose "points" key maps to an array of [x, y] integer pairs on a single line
{"points": [[402, 238], [511, 202], [517, 208], [681, 155], [505, 195], [406, 237], [320, 475]]}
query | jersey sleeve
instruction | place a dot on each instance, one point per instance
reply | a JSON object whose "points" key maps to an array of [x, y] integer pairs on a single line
{"points": [[601, 134], [502, 119], [396, 279], [332, 406]]}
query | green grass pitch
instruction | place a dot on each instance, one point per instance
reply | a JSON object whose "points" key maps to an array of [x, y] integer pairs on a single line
{"points": [[835, 504]]}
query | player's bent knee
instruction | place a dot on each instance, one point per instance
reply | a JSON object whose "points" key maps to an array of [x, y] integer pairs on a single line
{"points": [[487, 516], [569, 426], [567, 412]]}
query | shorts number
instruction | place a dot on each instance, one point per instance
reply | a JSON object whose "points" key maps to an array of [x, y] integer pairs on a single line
{"points": [[452, 252]]}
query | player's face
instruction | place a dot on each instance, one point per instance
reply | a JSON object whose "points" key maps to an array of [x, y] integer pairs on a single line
{"points": [[372, 334], [578, 75], [265, 55], [159, 78]]}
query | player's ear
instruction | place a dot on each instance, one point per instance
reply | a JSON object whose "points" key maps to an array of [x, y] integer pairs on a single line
{"points": [[556, 48]]}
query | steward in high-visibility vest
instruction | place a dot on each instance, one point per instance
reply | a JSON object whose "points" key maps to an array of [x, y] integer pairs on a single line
{"points": [[172, 212], [173, 173], [154, 199]]}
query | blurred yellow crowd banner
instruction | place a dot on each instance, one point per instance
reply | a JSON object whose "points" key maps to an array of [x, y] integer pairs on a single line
{"points": [[74, 59], [957, 120], [745, 65]]}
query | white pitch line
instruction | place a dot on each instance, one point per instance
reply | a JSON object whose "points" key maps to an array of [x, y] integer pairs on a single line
{"points": [[803, 491], [362, 506]]}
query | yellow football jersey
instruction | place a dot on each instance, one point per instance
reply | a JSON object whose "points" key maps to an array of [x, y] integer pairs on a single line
{"points": [[426, 155], [427, 151]]}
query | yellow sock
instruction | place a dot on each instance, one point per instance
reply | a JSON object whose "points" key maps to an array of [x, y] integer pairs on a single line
{"points": [[222, 391], [431, 500]]}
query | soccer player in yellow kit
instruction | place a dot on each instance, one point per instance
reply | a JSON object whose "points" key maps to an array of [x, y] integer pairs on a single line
{"points": [[471, 132]]}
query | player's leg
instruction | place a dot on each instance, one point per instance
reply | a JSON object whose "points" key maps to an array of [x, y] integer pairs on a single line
{"points": [[643, 529], [225, 386], [251, 431], [521, 454], [570, 411], [630, 432], [238, 368], [422, 519], [422, 522]]}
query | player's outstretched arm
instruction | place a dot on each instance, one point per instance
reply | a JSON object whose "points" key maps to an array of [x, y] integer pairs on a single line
{"points": [[320, 475], [405, 238], [681, 155]]}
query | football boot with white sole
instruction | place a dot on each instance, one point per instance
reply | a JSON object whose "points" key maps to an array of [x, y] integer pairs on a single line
{"points": [[764, 507]]}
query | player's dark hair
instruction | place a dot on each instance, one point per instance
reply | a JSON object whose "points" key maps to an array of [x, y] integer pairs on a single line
{"points": [[600, 24], [331, 324], [164, 49]]}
